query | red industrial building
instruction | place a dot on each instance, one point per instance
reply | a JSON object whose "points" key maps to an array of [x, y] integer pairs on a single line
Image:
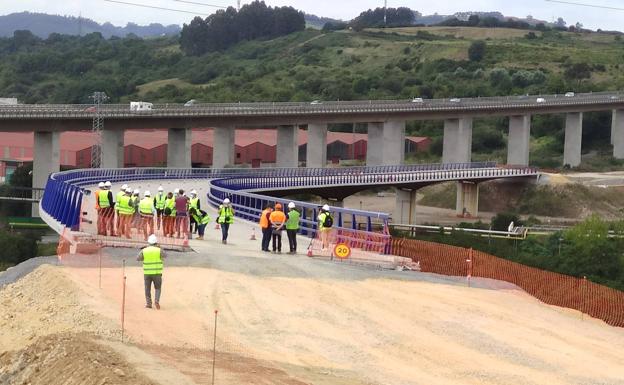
{"points": [[148, 148]]}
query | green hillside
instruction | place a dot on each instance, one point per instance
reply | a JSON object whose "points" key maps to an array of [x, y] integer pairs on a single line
{"points": [[429, 62]]}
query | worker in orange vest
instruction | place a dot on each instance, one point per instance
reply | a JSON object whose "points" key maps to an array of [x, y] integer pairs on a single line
{"points": [[265, 226], [278, 220]]}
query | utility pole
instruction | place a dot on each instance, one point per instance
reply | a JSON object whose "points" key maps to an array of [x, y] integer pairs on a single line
{"points": [[385, 13], [238, 5], [97, 127]]}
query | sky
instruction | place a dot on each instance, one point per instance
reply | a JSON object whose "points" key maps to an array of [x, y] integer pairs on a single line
{"points": [[120, 14]]}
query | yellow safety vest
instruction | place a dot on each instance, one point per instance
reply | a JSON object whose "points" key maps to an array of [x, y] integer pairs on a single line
{"points": [[118, 198], [103, 199], [170, 203], [124, 207], [226, 215], [152, 261], [146, 206], [161, 200], [193, 203]]}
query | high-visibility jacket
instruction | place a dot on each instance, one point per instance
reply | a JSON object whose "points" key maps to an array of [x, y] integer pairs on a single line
{"points": [[264, 218], [97, 199], [118, 198], [277, 218], [194, 203], [201, 217], [292, 223], [103, 201], [226, 215], [160, 201], [146, 206], [321, 219], [170, 203], [152, 261], [124, 205]]}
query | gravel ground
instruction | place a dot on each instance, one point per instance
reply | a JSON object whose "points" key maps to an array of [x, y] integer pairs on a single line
{"points": [[14, 273]]}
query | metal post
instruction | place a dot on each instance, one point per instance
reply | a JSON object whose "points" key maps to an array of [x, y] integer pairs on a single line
{"points": [[123, 300], [214, 347]]}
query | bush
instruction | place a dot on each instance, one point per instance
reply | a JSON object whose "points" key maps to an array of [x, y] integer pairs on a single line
{"points": [[476, 51], [16, 248], [502, 220]]}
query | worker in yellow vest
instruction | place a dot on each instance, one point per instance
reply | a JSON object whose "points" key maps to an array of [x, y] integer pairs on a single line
{"points": [[225, 219], [125, 208], [147, 211], [194, 204], [97, 207], [152, 257], [202, 219], [120, 193], [107, 209], [136, 217], [169, 215], [159, 203]]}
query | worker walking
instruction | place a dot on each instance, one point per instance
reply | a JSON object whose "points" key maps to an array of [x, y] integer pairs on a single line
{"points": [[292, 227], [125, 211], [194, 204], [278, 219], [202, 219], [120, 193], [325, 223], [265, 226], [147, 211], [225, 219], [152, 257], [159, 203]]}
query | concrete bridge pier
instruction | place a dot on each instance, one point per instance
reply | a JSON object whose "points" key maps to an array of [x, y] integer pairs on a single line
{"points": [[519, 140], [287, 146], [223, 146], [179, 148], [467, 205], [457, 146], [573, 139], [46, 160], [386, 143], [617, 134], [112, 149], [405, 209], [316, 149]]}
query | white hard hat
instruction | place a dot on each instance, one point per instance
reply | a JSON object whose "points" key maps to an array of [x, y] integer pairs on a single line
{"points": [[194, 192], [137, 191], [147, 193], [291, 205], [101, 184], [152, 240], [124, 187], [226, 201], [160, 188], [326, 207], [128, 190], [176, 191], [108, 184]]}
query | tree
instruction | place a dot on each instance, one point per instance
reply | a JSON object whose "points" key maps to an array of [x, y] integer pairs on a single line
{"points": [[502, 220], [560, 22], [476, 51]]}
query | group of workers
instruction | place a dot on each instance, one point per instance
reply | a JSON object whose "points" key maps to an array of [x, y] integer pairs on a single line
{"points": [[176, 213]]}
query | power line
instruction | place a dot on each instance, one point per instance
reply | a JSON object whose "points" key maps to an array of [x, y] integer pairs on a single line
{"points": [[204, 4], [155, 7], [585, 5]]}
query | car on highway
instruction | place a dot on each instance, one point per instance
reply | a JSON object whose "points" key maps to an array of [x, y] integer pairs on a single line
{"points": [[417, 100], [190, 103], [316, 102], [569, 94], [540, 100], [141, 106], [455, 100], [613, 97]]}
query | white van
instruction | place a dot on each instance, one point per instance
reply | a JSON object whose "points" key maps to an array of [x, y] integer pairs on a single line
{"points": [[141, 106]]}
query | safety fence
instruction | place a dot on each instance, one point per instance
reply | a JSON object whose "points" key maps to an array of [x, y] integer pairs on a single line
{"points": [[552, 288]]}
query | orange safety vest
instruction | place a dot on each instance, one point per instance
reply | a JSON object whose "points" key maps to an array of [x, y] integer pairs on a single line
{"points": [[97, 199], [278, 218], [264, 221]]}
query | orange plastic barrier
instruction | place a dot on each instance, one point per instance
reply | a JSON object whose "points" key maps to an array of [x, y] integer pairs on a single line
{"points": [[552, 288]]}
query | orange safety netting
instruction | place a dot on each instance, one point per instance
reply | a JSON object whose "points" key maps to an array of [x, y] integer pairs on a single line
{"points": [[552, 288]]}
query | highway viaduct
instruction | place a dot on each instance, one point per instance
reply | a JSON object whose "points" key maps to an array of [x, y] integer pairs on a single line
{"points": [[385, 119]]}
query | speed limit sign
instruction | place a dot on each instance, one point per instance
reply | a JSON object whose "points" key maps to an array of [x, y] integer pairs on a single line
{"points": [[342, 251]]}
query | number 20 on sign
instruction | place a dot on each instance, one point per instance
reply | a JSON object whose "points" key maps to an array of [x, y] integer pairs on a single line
{"points": [[342, 251]]}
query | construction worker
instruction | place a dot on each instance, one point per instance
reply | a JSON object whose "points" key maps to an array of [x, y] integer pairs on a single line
{"points": [[97, 207], [152, 257], [136, 218], [118, 196], [325, 222], [201, 219], [147, 211], [278, 219], [107, 209], [194, 203], [159, 204], [181, 217], [265, 226], [292, 227], [125, 210], [169, 215], [225, 219]]}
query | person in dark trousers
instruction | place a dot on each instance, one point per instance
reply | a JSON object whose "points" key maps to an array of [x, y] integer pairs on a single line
{"points": [[202, 219], [292, 227], [277, 219], [265, 226], [225, 219], [152, 258]]}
